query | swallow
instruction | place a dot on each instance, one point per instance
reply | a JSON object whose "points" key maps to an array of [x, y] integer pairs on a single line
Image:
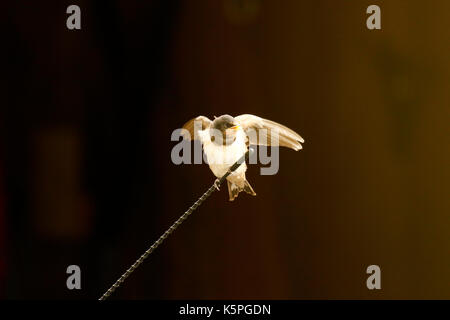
{"points": [[225, 139]]}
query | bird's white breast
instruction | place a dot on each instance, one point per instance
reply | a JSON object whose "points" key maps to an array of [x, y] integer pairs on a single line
{"points": [[220, 158]]}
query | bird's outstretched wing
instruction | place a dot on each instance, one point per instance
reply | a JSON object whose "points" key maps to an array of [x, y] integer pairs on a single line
{"points": [[194, 125], [261, 131]]}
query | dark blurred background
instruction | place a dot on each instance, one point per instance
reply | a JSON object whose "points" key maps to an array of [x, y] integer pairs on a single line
{"points": [[86, 176]]}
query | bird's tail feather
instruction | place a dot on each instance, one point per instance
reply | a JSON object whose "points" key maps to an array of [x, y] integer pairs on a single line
{"points": [[233, 189]]}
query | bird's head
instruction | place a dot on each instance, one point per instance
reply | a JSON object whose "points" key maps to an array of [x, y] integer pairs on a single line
{"points": [[224, 122], [227, 126]]}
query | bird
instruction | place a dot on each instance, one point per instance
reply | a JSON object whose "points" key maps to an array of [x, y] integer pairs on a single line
{"points": [[225, 139]]}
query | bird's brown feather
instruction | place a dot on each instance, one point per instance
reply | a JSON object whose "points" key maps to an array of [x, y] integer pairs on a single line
{"points": [[261, 131]]}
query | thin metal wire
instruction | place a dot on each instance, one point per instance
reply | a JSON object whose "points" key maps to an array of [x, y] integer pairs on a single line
{"points": [[175, 225]]}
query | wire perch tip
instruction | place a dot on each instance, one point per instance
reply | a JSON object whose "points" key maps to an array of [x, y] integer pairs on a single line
{"points": [[175, 225]]}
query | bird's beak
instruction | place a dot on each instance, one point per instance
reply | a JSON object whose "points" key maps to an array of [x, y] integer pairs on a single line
{"points": [[236, 127]]}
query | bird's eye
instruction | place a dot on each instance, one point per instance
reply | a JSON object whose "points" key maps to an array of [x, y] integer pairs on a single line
{"points": [[213, 139]]}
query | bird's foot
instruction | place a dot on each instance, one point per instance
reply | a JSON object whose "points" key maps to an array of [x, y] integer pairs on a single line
{"points": [[217, 184]]}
